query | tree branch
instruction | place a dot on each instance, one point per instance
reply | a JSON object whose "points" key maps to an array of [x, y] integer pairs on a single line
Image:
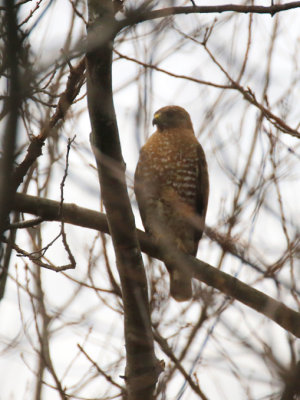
{"points": [[74, 83], [138, 16], [247, 93], [227, 284], [13, 103], [141, 364]]}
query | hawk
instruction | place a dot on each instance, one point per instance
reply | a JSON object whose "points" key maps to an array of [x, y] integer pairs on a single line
{"points": [[171, 187]]}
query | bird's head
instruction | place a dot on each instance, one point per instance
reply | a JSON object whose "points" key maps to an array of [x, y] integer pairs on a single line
{"points": [[172, 117]]}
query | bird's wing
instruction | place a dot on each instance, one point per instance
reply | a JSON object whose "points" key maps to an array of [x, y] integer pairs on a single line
{"points": [[202, 191], [143, 186]]}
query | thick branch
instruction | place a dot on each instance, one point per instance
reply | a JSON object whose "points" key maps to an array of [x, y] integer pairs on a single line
{"points": [[233, 287], [141, 363], [136, 16], [227, 284], [14, 100], [292, 383]]}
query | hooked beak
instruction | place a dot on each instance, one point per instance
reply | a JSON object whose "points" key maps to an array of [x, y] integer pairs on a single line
{"points": [[155, 119]]}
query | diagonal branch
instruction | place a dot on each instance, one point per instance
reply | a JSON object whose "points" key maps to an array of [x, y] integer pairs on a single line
{"points": [[75, 81], [227, 284], [246, 93]]}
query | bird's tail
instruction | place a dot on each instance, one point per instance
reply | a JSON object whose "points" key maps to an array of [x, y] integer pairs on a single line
{"points": [[180, 284]]}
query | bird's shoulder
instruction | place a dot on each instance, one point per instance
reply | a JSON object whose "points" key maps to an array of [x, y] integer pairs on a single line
{"points": [[174, 138]]}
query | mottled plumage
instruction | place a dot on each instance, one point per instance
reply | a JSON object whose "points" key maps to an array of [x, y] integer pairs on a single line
{"points": [[171, 187]]}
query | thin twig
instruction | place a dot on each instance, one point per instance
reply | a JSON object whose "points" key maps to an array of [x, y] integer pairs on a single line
{"points": [[100, 370], [26, 224], [36, 260], [63, 233]]}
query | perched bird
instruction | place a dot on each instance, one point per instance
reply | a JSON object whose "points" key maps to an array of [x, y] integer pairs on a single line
{"points": [[171, 187]]}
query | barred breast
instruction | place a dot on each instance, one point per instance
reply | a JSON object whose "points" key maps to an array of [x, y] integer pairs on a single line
{"points": [[172, 166]]}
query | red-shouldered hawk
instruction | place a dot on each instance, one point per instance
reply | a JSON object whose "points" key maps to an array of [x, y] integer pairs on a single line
{"points": [[171, 187]]}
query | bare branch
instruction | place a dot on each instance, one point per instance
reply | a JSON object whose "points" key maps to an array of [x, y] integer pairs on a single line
{"points": [[168, 351], [26, 224], [227, 284], [247, 93], [75, 81], [136, 16], [62, 230], [100, 370], [13, 104], [186, 77], [141, 364], [36, 260]]}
